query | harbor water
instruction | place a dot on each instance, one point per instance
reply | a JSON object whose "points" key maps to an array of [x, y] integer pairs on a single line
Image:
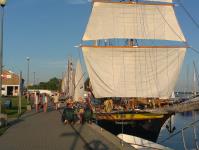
{"points": [[179, 121]]}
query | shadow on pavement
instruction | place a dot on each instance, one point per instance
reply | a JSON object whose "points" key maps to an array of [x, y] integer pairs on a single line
{"points": [[93, 145], [76, 134], [96, 145]]}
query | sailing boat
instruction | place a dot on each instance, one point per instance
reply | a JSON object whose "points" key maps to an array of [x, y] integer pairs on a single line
{"points": [[136, 55], [75, 91], [79, 83], [67, 86]]}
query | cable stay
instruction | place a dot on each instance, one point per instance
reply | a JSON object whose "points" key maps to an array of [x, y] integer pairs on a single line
{"points": [[188, 14], [180, 131], [194, 49]]}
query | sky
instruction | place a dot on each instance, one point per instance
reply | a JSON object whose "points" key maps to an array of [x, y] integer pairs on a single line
{"points": [[47, 31]]}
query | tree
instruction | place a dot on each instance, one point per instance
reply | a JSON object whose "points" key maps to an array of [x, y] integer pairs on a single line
{"points": [[52, 84]]}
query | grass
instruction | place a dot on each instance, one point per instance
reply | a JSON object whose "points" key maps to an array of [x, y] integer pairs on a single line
{"points": [[13, 111]]}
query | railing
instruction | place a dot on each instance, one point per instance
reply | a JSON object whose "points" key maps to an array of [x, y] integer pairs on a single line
{"points": [[181, 131]]}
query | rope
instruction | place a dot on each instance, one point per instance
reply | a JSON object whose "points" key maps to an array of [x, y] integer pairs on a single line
{"points": [[189, 14], [173, 30], [188, 126], [194, 49], [149, 81]]}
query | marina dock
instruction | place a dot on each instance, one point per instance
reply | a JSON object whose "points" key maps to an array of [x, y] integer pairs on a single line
{"points": [[46, 131], [190, 105]]}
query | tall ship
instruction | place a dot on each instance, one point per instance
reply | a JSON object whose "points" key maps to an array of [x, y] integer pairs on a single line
{"points": [[133, 51], [72, 85], [67, 85]]}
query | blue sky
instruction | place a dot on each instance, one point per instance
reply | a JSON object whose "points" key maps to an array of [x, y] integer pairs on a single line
{"points": [[47, 31]]}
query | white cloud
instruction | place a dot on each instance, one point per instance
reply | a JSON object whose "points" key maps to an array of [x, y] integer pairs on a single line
{"points": [[78, 1]]}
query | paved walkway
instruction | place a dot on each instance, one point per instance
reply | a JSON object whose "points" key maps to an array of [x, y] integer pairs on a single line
{"points": [[45, 131]]}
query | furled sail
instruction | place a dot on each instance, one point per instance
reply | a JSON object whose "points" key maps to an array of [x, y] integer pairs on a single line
{"points": [[168, 1], [79, 83], [71, 81], [133, 72], [64, 84], [133, 21], [67, 85]]}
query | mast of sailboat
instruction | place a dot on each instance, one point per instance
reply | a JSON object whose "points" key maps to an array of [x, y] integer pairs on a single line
{"points": [[68, 78], [187, 82], [195, 79]]}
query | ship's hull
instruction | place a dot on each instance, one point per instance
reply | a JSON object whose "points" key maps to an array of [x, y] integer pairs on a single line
{"points": [[144, 125]]}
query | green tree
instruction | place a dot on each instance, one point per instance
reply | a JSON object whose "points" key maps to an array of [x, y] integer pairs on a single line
{"points": [[52, 84]]}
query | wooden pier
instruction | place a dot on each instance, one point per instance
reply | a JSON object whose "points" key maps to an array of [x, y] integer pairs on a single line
{"points": [[190, 105]]}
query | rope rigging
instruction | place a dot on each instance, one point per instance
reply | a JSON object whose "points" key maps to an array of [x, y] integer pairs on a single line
{"points": [[180, 131], [194, 49], [188, 14]]}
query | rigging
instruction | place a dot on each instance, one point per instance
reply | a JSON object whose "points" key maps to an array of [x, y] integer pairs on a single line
{"points": [[188, 14]]}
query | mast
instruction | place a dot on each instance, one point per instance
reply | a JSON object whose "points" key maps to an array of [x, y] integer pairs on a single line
{"points": [[68, 73], [195, 79]]}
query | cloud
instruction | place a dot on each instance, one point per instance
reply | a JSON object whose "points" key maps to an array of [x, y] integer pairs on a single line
{"points": [[78, 1]]}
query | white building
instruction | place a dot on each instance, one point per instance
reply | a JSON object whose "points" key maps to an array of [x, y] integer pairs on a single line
{"points": [[10, 83]]}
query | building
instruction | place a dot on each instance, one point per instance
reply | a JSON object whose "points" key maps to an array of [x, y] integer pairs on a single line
{"points": [[10, 83]]}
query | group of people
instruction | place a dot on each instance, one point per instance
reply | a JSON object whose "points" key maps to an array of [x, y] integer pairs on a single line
{"points": [[77, 112], [74, 111], [40, 101]]}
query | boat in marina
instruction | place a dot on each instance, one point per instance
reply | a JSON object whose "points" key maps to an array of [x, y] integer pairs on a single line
{"points": [[73, 93], [133, 51], [67, 85], [141, 144], [72, 86]]}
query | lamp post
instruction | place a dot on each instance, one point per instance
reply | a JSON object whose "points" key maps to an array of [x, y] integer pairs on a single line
{"points": [[34, 78], [20, 93], [28, 65], [28, 70], [2, 3]]}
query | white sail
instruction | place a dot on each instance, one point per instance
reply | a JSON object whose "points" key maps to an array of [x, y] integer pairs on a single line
{"points": [[67, 85], [79, 83], [133, 72], [173, 95], [133, 21], [71, 81], [64, 83]]}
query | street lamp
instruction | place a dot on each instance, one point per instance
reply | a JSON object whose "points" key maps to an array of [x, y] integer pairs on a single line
{"points": [[28, 65], [28, 70], [20, 93], [2, 3], [34, 78]]}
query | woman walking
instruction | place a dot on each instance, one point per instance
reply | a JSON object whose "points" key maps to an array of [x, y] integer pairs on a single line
{"points": [[45, 102], [56, 100], [37, 102]]}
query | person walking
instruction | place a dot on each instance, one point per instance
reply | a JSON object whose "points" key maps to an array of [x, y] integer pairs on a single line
{"points": [[56, 100], [45, 102], [37, 102]]}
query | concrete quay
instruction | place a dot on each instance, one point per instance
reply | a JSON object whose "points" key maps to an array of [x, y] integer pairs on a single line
{"points": [[45, 131]]}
